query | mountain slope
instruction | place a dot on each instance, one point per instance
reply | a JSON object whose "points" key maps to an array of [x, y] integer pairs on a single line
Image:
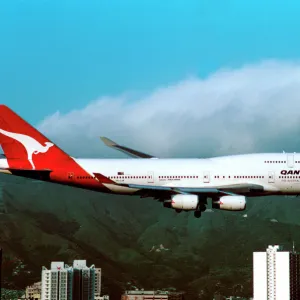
{"points": [[137, 240]]}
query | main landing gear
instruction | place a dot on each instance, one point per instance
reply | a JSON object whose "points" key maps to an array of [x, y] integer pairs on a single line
{"points": [[201, 208], [197, 214]]}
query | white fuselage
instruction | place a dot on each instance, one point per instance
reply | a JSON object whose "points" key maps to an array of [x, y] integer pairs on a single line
{"points": [[262, 169], [276, 172]]}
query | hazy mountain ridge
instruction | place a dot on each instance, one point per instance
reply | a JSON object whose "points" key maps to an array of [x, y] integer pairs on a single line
{"points": [[136, 239]]}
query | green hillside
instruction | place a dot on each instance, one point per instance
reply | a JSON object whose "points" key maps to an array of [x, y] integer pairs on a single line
{"points": [[136, 240]]}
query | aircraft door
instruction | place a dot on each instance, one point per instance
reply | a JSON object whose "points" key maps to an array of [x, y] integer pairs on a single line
{"points": [[150, 177], [70, 175], [206, 177], [290, 160], [271, 177]]}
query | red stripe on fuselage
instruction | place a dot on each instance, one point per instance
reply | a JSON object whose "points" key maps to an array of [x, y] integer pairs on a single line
{"points": [[72, 173], [103, 179]]}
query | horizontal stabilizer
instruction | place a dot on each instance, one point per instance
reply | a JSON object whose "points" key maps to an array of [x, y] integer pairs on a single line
{"points": [[43, 174], [126, 150], [29, 170]]}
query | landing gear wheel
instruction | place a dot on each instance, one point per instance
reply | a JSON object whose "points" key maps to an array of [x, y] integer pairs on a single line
{"points": [[178, 210], [197, 214], [202, 208]]}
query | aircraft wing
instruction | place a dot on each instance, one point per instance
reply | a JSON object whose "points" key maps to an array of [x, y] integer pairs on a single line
{"points": [[126, 150], [242, 188], [210, 191]]}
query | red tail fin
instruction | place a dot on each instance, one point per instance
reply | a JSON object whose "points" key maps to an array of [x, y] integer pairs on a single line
{"points": [[24, 146]]}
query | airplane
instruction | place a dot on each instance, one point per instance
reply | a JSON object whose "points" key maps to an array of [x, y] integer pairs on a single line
{"points": [[180, 184]]}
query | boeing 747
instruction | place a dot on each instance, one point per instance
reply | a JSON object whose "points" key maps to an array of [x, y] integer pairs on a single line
{"points": [[181, 184]]}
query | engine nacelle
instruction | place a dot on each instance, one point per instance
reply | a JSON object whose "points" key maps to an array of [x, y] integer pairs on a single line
{"points": [[184, 202], [232, 203]]}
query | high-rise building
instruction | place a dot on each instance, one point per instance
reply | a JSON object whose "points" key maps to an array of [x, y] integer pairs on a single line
{"points": [[152, 295], [276, 274], [83, 281], [97, 283], [57, 282], [33, 291], [63, 282]]}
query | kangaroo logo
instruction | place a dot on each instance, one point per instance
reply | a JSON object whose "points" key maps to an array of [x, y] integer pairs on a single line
{"points": [[30, 144]]}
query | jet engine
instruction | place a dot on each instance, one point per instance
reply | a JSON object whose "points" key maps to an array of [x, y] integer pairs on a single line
{"points": [[184, 202], [236, 203]]}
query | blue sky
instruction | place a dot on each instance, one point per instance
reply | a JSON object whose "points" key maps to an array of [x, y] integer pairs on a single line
{"points": [[59, 55]]}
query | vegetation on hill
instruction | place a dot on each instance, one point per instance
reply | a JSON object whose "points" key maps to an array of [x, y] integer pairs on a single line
{"points": [[136, 241]]}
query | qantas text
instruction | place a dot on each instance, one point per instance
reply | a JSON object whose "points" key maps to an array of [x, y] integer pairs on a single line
{"points": [[290, 172]]}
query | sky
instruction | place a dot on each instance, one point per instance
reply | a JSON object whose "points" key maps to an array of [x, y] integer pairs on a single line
{"points": [[203, 77]]}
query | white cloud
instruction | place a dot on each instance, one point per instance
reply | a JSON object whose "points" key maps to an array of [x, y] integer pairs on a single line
{"points": [[248, 109]]}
